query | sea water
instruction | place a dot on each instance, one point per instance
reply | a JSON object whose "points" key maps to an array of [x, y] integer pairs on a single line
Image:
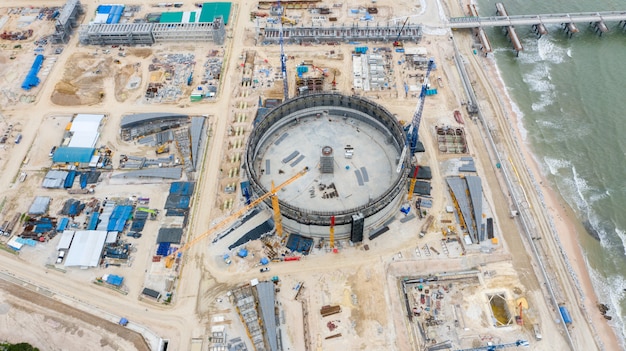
{"points": [[570, 97]]}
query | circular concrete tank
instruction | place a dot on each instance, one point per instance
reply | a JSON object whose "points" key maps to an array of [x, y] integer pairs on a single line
{"points": [[351, 146]]}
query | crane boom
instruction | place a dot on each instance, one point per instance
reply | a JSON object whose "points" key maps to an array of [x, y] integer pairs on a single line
{"points": [[517, 343], [397, 41], [283, 59], [413, 128], [169, 260], [417, 116]]}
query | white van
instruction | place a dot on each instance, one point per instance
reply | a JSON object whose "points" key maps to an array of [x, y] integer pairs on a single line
{"points": [[61, 256]]}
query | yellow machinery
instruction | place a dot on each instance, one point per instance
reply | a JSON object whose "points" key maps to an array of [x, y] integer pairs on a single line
{"points": [[278, 221], [413, 181], [169, 260], [163, 148], [287, 20]]}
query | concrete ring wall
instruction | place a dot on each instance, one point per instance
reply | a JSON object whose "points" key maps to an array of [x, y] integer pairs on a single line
{"points": [[306, 220]]}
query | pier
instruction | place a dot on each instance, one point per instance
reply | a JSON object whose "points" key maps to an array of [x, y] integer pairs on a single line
{"points": [[597, 21]]}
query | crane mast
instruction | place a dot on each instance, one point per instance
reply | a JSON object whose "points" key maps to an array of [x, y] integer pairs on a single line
{"points": [[413, 128], [417, 117], [283, 59], [517, 343]]}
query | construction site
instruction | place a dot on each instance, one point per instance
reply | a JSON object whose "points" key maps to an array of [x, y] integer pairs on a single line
{"points": [[291, 175]]}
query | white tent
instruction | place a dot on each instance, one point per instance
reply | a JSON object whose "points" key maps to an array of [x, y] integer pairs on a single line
{"points": [[86, 248], [85, 129], [66, 240]]}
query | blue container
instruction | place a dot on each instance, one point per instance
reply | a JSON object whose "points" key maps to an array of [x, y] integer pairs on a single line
{"points": [[565, 314]]}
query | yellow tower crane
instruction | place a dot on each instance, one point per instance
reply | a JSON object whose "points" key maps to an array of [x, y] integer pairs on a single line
{"points": [[413, 181], [278, 221], [169, 260]]}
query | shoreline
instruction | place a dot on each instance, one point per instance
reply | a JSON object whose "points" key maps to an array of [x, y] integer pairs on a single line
{"points": [[562, 218]]}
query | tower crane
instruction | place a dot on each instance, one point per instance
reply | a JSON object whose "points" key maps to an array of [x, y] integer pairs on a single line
{"points": [[517, 343], [278, 222], [169, 260], [413, 128], [283, 58], [413, 181]]}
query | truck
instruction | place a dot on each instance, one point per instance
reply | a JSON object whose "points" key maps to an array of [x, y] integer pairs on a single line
{"points": [[567, 318]]}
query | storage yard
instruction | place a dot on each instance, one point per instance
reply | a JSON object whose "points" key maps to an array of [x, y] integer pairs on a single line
{"points": [[177, 171]]}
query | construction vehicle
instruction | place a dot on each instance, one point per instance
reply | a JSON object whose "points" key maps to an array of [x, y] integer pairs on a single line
{"points": [[287, 20], [519, 319], [517, 343], [169, 260], [162, 149], [397, 43]]}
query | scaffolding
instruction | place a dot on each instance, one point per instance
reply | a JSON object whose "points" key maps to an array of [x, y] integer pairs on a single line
{"points": [[384, 33], [67, 21], [150, 33]]}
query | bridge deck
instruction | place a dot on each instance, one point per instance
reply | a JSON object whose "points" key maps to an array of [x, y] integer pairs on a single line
{"points": [[556, 18]]}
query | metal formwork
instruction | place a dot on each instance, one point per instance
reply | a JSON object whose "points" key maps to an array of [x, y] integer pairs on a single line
{"points": [[150, 33], [67, 20], [344, 33]]}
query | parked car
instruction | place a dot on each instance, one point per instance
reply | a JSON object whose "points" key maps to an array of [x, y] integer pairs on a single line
{"points": [[135, 235], [265, 269]]}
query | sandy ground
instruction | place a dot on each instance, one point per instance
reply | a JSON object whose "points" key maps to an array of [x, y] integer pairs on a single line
{"points": [[369, 275]]}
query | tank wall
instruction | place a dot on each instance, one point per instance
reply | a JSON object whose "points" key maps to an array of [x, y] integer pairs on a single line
{"points": [[342, 231], [309, 222]]}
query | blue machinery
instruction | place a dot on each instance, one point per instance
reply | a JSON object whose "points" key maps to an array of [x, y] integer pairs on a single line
{"points": [[413, 128], [518, 343]]}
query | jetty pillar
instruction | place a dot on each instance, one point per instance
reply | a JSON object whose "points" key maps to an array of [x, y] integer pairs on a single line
{"points": [[570, 28], [510, 30], [539, 29], [600, 27]]}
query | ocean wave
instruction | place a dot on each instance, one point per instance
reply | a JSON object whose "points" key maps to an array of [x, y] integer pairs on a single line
{"points": [[621, 234], [549, 51], [554, 165], [539, 80], [610, 291]]}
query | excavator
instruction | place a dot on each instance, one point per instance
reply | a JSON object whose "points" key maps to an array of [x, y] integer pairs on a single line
{"points": [[169, 260], [162, 149]]}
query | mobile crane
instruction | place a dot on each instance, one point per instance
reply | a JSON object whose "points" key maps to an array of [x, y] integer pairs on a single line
{"points": [[169, 260], [397, 43]]}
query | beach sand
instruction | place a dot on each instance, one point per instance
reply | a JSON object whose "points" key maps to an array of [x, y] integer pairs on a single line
{"points": [[562, 217]]}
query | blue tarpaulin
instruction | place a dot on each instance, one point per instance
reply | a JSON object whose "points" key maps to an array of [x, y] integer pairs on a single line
{"points": [[31, 79], [66, 154], [69, 180], [115, 280], [163, 249], [299, 243], [118, 218], [63, 224], [93, 222], [182, 188]]}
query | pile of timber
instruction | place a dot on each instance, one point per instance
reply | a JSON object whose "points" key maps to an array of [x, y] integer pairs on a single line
{"points": [[329, 310]]}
